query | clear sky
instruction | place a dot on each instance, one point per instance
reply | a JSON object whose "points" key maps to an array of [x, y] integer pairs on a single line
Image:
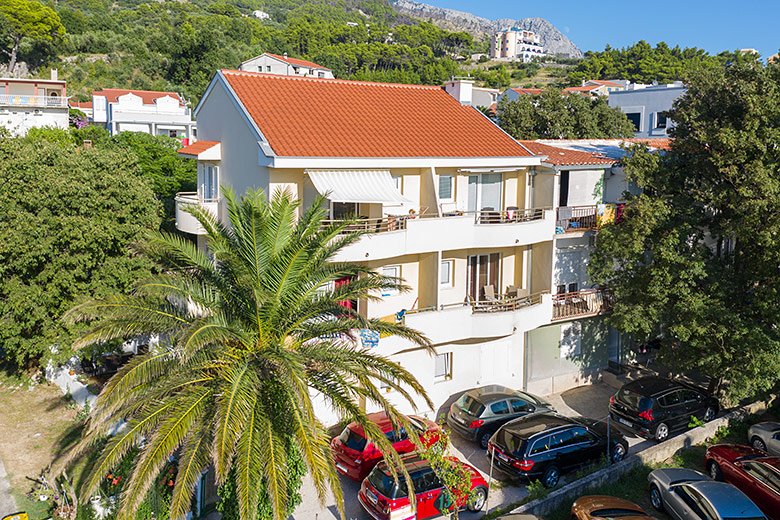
{"points": [[713, 25]]}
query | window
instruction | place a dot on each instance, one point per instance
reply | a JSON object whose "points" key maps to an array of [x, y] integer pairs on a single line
{"points": [[670, 399], [689, 396], [268, 68], [443, 367], [764, 473], [520, 406], [209, 188], [561, 289], [581, 435], [500, 408], [660, 120], [392, 271], [171, 133], [573, 287], [635, 118], [445, 273], [445, 188]]}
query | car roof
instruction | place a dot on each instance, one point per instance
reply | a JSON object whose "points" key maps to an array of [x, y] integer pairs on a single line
{"points": [[380, 419], [652, 386], [488, 393], [532, 425], [729, 501], [412, 462], [769, 426]]}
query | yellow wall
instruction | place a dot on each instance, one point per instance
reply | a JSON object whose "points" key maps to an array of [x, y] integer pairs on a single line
{"points": [[391, 304], [541, 267], [544, 188]]}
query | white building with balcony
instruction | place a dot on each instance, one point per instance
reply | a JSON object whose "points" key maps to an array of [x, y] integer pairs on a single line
{"points": [[33, 103], [151, 112], [516, 44], [456, 207]]}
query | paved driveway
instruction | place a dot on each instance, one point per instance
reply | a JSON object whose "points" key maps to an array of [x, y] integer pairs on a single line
{"points": [[7, 502], [590, 401]]}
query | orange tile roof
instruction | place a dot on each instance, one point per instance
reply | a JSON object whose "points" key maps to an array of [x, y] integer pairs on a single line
{"points": [[197, 147], [148, 96], [529, 91], [602, 82], [564, 156], [315, 117], [586, 88], [662, 143], [80, 104], [296, 61]]}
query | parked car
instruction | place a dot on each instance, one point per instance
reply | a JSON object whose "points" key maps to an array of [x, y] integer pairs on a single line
{"points": [[383, 497], [356, 456], [543, 446], [653, 407], [602, 507], [686, 494], [751, 471], [765, 436], [481, 411]]}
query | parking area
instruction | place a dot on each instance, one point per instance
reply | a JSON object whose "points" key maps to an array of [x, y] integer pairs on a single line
{"points": [[590, 401]]}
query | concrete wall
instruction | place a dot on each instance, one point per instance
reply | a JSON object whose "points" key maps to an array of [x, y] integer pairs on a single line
{"points": [[571, 261], [647, 102], [585, 187], [18, 120]]}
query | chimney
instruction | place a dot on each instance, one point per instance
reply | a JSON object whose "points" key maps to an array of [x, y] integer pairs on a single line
{"points": [[460, 89], [54, 74]]}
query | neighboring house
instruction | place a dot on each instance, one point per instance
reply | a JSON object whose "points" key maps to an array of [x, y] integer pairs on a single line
{"points": [[33, 103], [83, 106], [645, 104], [156, 113], [610, 86], [463, 90], [261, 15], [457, 208], [516, 44], [514, 93], [268, 63]]}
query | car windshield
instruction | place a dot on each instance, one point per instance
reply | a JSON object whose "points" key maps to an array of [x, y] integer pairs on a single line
{"points": [[352, 440], [616, 513], [386, 484], [470, 405], [634, 400]]}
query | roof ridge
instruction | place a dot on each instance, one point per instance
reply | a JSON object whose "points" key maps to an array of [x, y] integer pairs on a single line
{"points": [[329, 80]]}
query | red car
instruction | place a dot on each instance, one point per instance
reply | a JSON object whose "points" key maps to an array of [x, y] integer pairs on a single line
{"points": [[355, 456], [752, 471], [385, 499]]}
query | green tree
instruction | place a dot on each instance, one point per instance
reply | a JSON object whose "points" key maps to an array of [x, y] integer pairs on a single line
{"points": [[250, 329], [553, 115], [695, 260], [68, 215], [29, 19]]}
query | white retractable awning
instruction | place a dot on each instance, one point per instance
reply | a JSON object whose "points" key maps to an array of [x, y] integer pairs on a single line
{"points": [[366, 186]]}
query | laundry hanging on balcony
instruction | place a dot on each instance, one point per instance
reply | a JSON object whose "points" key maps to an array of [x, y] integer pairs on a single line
{"points": [[362, 186]]}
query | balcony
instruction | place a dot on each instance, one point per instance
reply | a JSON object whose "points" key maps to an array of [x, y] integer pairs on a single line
{"points": [[484, 319], [396, 236], [187, 223], [581, 304], [33, 101], [572, 219]]}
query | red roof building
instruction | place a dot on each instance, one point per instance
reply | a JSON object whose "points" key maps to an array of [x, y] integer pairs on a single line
{"points": [[268, 63]]}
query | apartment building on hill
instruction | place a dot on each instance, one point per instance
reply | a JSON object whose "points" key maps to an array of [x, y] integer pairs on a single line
{"points": [[33, 103], [474, 221], [516, 44]]}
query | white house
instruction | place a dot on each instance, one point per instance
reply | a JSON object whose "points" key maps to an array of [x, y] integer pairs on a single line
{"points": [[156, 113], [645, 105], [462, 212], [268, 63], [260, 15], [33, 103]]}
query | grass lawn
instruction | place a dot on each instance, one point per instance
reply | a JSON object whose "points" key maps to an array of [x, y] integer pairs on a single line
{"points": [[36, 426]]}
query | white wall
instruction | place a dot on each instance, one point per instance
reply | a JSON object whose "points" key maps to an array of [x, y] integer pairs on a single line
{"points": [[582, 187], [262, 63], [18, 120]]}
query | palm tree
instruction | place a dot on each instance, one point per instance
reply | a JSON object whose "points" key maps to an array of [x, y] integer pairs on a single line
{"points": [[251, 329]]}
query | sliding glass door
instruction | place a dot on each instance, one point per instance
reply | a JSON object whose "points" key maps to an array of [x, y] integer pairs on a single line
{"points": [[483, 271], [485, 192]]}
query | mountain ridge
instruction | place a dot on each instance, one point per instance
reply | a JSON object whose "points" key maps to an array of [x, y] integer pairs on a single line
{"points": [[553, 40]]}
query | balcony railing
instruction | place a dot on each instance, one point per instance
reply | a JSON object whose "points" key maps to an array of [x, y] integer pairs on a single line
{"points": [[487, 217], [33, 101], [576, 218], [589, 302], [185, 221], [506, 304]]}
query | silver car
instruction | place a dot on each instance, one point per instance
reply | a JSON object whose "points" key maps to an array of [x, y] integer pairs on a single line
{"points": [[765, 436], [686, 494]]}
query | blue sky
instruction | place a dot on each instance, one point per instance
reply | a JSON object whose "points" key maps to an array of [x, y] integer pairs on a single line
{"points": [[714, 25]]}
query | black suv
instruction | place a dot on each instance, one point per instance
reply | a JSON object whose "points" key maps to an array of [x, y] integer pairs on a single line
{"points": [[481, 411], [652, 407], [542, 446]]}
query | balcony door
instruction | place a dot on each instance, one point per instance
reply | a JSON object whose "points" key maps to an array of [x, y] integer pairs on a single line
{"points": [[485, 191], [483, 270], [209, 188]]}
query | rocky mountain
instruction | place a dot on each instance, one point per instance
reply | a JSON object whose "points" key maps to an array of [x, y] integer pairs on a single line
{"points": [[552, 39]]}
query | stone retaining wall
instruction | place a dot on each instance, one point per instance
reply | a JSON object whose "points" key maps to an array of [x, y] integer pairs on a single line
{"points": [[651, 455]]}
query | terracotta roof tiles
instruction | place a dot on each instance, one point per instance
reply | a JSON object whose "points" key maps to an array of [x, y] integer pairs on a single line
{"points": [[296, 61], [148, 96], [316, 117], [564, 156], [197, 147]]}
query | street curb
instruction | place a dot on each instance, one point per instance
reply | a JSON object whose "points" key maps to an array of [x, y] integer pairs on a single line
{"points": [[657, 453]]}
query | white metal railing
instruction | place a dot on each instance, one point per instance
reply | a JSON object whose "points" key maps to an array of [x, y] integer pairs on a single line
{"points": [[192, 197], [503, 304], [33, 101]]}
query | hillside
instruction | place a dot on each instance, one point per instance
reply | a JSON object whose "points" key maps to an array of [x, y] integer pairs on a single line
{"points": [[450, 19]]}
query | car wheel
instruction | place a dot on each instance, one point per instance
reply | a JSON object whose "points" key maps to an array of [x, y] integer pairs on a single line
{"points": [[709, 414], [661, 432], [477, 499], [713, 468], [655, 498], [484, 438], [758, 444], [618, 452], [551, 477]]}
